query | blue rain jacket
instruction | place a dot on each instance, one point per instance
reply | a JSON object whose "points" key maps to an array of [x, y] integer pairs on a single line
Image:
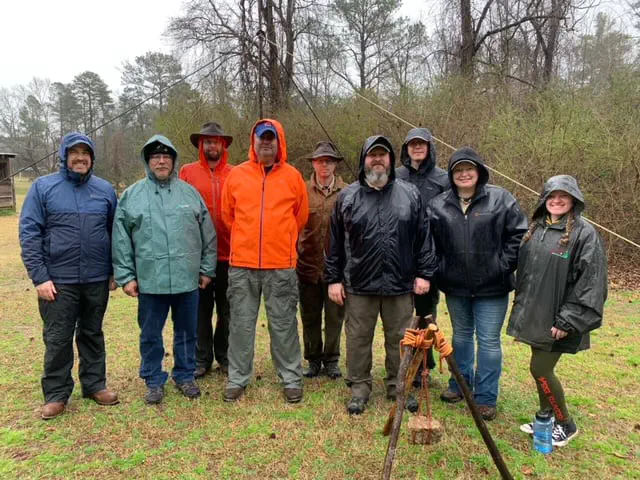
{"points": [[65, 223]]}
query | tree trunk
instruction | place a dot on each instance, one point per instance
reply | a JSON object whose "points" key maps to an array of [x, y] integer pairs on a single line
{"points": [[552, 41], [467, 50], [274, 68]]}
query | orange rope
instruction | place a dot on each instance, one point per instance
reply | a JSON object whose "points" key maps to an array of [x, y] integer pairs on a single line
{"points": [[426, 338]]}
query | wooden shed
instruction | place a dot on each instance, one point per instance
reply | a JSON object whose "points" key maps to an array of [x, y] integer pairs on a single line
{"points": [[7, 187]]}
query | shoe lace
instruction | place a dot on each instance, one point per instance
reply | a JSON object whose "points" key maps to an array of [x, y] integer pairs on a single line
{"points": [[558, 432]]}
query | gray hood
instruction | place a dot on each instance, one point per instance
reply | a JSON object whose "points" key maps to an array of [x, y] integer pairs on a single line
{"points": [[423, 134], [566, 183]]}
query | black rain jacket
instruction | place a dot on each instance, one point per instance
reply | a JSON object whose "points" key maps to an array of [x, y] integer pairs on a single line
{"points": [[561, 286], [478, 250], [430, 179], [380, 239]]}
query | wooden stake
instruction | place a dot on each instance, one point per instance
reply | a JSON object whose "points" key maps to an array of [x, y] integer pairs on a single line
{"points": [[400, 401]]}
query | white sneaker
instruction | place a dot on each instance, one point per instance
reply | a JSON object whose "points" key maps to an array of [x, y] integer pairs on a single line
{"points": [[527, 428]]}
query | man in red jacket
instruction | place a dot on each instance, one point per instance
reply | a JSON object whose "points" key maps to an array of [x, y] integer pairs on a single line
{"points": [[208, 175]]}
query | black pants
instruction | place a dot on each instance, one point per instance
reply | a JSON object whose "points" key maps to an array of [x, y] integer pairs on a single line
{"points": [[313, 300], [210, 345], [77, 309], [427, 304]]}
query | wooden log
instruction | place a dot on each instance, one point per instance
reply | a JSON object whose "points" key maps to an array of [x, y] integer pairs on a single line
{"points": [[424, 432]]}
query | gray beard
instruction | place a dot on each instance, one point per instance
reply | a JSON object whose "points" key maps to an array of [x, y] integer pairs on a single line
{"points": [[374, 179]]}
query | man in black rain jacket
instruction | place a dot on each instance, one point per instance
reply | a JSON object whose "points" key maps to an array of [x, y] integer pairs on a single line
{"points": [[418, 158], [380, 252]]}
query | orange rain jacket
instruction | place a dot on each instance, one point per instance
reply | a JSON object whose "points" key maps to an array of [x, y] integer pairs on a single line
{"points": [[210, 185], [265, 213]]}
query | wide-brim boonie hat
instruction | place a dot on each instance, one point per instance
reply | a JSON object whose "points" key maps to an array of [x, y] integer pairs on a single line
{"points": [[210, 129], [325, 149]]}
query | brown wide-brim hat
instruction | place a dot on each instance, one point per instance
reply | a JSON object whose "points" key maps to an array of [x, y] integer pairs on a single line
{"points": [[210, 129], [325, 149]]}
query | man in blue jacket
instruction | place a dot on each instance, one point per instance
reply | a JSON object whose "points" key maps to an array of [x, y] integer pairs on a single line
{"points": [[65, 235]]}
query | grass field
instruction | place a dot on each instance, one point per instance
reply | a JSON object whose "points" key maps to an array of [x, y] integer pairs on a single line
{"points": [[261, 437]]}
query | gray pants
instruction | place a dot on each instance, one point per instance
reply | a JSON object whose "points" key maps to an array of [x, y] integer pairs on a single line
{"points": [[360, 324], [280, 288]]}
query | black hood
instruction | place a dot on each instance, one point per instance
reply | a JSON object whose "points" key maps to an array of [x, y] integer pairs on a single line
{"points": [[367, 144], [469, 154], [566, 183], [423, 134]]}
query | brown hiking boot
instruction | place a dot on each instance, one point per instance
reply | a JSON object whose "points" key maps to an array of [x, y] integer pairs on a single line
{"points": [[200, 372], [449, 396], [52, 410], [233, 394], [488, 412], [293, 395], [104, 397]]}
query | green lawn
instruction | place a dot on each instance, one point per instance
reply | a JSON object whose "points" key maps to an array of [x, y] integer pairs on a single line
{"points": [[262, 437]]}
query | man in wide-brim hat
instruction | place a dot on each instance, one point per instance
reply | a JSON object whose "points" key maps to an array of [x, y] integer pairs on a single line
{"points": [[208, 176], [323, 188]]}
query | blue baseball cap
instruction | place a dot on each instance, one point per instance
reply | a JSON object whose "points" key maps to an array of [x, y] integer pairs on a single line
{"points": [[265, 127]]}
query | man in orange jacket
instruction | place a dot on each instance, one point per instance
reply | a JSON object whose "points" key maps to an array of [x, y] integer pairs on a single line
{"points": [[208, 176], [265, 206]]}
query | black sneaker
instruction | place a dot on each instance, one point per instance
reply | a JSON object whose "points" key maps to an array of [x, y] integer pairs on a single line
{"points": [[189, 389], [313, 370], [411, 404], [332, 370], [356, 405], [154, 395], [563, 433]]}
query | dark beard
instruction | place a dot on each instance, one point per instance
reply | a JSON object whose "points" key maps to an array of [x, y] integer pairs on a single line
{"points": [[212, 157]]}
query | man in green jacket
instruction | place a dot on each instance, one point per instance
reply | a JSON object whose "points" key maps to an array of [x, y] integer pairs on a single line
{"points": [[164, 248]]}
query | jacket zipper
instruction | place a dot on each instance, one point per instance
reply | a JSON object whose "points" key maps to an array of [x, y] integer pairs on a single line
{"points": [[466, 252], [75, 198], [264, 181], [166, 233]]}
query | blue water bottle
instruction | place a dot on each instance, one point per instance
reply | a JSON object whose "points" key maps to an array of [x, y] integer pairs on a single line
{"points": [[542, 432]]}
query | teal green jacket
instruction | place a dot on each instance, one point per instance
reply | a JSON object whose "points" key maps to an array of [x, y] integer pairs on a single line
{"points": [[163, 236]]}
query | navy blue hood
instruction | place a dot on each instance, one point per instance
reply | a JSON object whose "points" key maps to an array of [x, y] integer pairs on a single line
{"points": [[380, 139], [423, 134], [470, 155], [68, 141]]}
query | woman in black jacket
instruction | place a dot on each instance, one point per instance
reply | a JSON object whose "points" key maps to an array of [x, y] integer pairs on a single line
{"points": [[560, 293], [477, 229]]}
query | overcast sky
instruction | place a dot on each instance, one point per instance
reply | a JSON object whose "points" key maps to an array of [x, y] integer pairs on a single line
{"points": [[59, 39]]}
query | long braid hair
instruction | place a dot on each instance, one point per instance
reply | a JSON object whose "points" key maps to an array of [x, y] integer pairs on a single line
{"points": [[571, 220], [529, 234], [564, 240]]}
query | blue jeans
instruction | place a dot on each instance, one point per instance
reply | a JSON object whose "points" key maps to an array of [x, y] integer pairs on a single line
{"points": [[483, 316], [152, 315]]}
